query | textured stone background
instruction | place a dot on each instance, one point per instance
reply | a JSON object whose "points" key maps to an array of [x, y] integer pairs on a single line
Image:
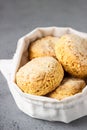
{"points": [[18, 17]]}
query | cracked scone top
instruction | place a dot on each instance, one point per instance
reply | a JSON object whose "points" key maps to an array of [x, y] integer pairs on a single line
{"points": [[68, 87], [43, 47], [40, 76], [71, 51]]}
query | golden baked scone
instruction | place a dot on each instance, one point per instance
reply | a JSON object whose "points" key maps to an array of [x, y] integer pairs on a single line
{"points": [[40, 76], [71, 51], [43, 47], [68, 87]]}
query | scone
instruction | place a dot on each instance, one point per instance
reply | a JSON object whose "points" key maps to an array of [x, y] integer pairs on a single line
{"points": [[40, 76], [43, 47], [71, 51], [68, 87]]}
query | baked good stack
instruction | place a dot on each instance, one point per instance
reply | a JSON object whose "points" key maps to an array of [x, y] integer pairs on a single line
{"points": [[49, 59]]}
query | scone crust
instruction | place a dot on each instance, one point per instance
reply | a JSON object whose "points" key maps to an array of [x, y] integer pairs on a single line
{"points": [[43, 47], [68, 87], [71, 51], [40, 76]]}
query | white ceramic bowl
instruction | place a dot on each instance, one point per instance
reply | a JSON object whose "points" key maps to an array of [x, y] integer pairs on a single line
{"points": [[41, 107]]}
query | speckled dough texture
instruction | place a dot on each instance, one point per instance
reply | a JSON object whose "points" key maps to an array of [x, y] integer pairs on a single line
{"points": [[43, 47], [40, 76], [71, 51], [68, 87]]}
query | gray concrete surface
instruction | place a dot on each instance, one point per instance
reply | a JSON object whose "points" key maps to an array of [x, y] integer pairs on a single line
{"points": [[18, 17]]}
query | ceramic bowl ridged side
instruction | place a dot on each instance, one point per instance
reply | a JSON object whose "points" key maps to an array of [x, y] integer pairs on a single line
{"points": [[42, 107]]}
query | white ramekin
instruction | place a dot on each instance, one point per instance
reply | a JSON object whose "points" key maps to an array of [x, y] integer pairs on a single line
{"points": [[42, 107]]}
